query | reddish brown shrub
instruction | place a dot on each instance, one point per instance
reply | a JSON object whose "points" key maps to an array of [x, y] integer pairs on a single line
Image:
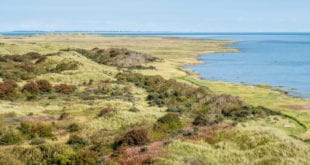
{"points": [[44, 85], [134, 137], [31, 87], [63, 88], [105, 111], [28, 67], [7, 88], [11, 83]]}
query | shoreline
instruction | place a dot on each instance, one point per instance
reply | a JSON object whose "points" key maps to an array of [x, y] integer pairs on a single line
{"points": [[196, 74]]}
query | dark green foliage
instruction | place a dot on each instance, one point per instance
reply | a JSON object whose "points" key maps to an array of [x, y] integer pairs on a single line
{"points": [[168, 122], [205, 120], [66, 65], [76, 140], [144, 149], [57, 154], [134, 109], [74, 127], [33, 129], [106, 90], [173, 109], [133, 137]]}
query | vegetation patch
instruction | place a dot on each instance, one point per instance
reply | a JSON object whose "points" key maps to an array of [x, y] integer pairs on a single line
{"points": [[117, 57], [34, 128], [133, 137]]}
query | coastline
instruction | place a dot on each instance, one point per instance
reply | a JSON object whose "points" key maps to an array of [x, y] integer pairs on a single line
{"points": [[236, 50], [176, 52]]}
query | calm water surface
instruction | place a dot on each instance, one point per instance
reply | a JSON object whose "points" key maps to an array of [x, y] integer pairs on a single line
{"points": [[276, 60]]}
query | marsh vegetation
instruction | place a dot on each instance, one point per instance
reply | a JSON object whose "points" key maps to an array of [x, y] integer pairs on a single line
{"points": [[76, 104]]}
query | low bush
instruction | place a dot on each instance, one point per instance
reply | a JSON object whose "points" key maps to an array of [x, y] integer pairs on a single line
{"points": [[117, 57], [44, 85], [104, 111], [37, 141], [87, 157], [205, 120], [7, 88], [66, 65], [74, 127], [31, 87], [34, 129], [144, 149], [9, 136], [133, 137], [64, 88], [134, 109], [170, 121], [57, 154], [76, 140]]}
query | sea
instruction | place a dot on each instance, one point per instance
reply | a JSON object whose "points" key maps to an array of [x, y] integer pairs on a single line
{"points": [[280, 60]]}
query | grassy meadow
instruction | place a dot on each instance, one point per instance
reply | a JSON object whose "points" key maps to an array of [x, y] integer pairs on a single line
{"points": [[67, 106]]}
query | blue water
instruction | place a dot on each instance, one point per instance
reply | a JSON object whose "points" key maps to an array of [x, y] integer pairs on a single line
{"points": [[276, 59]]}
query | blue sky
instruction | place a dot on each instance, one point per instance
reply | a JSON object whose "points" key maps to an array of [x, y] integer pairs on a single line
{"points": [[157, 15]]}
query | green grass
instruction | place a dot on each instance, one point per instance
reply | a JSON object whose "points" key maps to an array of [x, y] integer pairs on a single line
{"points": [[257, 96], [249, 145]]}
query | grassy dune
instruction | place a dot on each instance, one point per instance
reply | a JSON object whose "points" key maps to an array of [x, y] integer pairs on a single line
{"points": [[256, 141]]}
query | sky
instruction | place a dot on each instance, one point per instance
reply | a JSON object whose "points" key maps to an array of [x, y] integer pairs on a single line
{"points": [[156, 15]]}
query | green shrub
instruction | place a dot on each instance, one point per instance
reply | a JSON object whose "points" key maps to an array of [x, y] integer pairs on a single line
{"points": [[76, 140], [66, 65], [28, 155], [87, 157], [170, 121], [57, 154], [173, 109], [9, 136], [33, 129], [37, 141], [204, 120], [74, 127], [144, 149], [134, 109]]}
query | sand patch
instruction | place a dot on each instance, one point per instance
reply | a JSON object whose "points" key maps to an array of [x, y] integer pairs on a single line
{"points": [[297, 107]]}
